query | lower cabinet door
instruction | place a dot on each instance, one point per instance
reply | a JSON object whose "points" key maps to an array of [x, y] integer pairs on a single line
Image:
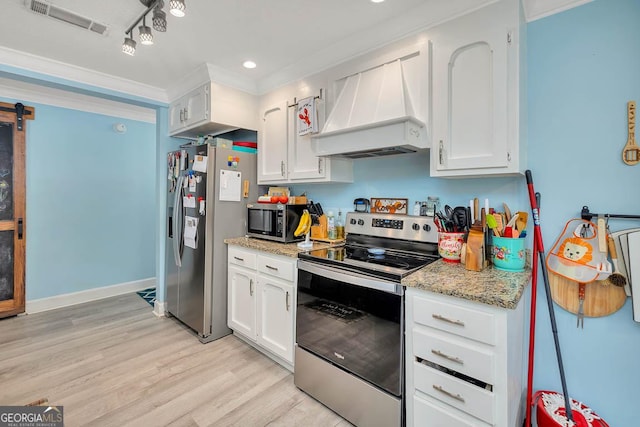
{"points": [[241, 301], [276, 316]]}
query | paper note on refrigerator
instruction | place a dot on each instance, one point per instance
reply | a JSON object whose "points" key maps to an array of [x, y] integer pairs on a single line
{"points": [[191, 232], [200, 164], [230, 185], [189, 201]]}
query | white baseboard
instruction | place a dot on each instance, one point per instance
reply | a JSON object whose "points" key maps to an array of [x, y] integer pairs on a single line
{"points": [[160, 308], [64, 300]]}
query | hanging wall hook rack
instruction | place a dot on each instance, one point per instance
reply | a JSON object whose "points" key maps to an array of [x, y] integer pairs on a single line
{"points": [[585, 214]]}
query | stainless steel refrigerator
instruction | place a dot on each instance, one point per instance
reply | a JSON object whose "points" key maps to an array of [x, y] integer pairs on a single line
{"points": [[216, 194]]}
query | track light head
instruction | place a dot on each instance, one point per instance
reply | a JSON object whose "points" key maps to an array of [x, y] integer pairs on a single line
{"points": [[177, 7], [129, 45]]}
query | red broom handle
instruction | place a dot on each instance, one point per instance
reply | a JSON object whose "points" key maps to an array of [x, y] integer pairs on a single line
{"points": [[532, 322]]}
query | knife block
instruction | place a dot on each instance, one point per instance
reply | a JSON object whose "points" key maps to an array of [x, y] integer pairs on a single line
{"points": [[320, 231]]}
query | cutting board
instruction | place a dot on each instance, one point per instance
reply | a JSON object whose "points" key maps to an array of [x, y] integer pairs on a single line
{"points": [[622, 248], [599, 300]]}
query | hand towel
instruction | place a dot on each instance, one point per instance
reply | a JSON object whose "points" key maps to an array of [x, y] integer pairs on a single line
{"points": [[306, 116]]}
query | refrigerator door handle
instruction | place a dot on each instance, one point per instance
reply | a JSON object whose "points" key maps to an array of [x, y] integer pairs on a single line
{"points": [[177, 216]]}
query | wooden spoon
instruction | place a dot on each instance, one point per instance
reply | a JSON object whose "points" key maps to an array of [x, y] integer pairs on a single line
{"points": [[631, 152]]}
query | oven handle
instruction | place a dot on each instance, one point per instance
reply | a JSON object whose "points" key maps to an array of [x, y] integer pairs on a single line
{"points": [[351, 277]]}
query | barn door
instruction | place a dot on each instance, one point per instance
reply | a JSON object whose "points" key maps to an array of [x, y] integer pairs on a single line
{"points": [[12, 209]]}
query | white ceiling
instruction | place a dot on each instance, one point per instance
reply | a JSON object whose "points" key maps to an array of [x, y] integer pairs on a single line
{"points": [[277, 34]]}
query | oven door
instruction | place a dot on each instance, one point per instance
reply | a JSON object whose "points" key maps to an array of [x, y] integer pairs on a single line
{"points": [[354, 321]]}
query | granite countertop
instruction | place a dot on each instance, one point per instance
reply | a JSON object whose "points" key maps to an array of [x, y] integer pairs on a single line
{"points": [[489, 286], [276, 248]]}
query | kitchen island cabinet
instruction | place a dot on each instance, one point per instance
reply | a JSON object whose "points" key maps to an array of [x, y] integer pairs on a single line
{"points": [[477, 93]]}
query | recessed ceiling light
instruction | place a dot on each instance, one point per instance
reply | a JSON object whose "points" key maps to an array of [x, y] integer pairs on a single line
{"points": [[377, 1], [249, 64]]}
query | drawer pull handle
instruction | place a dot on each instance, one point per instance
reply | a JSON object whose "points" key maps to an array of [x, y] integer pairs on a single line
{"points": [[251, 287], [446, 319], [271, 268], [237, 258], [446, 356], [448, 393]]}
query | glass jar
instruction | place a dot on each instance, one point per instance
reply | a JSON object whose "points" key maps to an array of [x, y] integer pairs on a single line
{"points": [[433, 205]]}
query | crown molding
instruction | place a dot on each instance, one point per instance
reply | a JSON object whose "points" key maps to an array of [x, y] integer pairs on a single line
{"points": [[31, 93], [537, 9], [205, 73], [74, 74]]}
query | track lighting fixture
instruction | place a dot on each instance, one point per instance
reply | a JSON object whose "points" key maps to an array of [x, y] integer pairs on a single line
{"points": [[159, 22], [129, 45], [146, 37], [159, 18], [177, 7]]}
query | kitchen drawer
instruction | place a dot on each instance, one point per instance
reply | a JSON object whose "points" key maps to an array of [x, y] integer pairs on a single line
{"points": [[460, 394], [427, 413], [456, 319], [283, 268], [241, 257], [452, 353]]}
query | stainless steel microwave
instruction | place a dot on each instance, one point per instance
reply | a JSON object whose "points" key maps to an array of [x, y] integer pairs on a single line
{"points": [[274, 221]]}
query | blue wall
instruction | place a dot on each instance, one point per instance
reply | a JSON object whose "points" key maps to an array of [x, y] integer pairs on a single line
{"points": [[583, 67], [90, 201]]}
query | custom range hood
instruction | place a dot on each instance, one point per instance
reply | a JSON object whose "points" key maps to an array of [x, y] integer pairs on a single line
{"points": [[373, 116]]}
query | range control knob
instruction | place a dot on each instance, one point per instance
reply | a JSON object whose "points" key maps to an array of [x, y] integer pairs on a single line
{"points": [[361, 222], [353, 221], [416, 227], [426, 227]]}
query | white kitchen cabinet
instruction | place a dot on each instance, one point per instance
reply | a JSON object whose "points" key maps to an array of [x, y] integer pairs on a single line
{"points": [[477, 93], [464, 362], [190, 110], [275, 316], [261, 301], [212, 109], [241, 300], [284, 157], [272, 144]]}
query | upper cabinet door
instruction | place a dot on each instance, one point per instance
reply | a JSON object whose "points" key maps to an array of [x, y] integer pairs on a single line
{"points": [[302, 161], [196, 104], [272, 144], [176, 116], [470, 99]]}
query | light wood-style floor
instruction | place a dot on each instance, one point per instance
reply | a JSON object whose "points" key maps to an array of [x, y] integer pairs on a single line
{"points": [[113, 363]]}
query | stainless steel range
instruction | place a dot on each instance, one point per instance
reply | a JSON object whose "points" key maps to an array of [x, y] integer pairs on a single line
{"points": [[350, 316]]}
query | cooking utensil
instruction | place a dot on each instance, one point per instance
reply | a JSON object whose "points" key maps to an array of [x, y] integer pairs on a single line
{"points": [[460, 219], [631, 152], [493, 224], [581, 292], [615, 278], [507, 212]]}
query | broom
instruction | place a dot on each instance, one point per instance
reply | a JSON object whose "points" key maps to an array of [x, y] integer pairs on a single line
{"points": [[538, 250]]}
